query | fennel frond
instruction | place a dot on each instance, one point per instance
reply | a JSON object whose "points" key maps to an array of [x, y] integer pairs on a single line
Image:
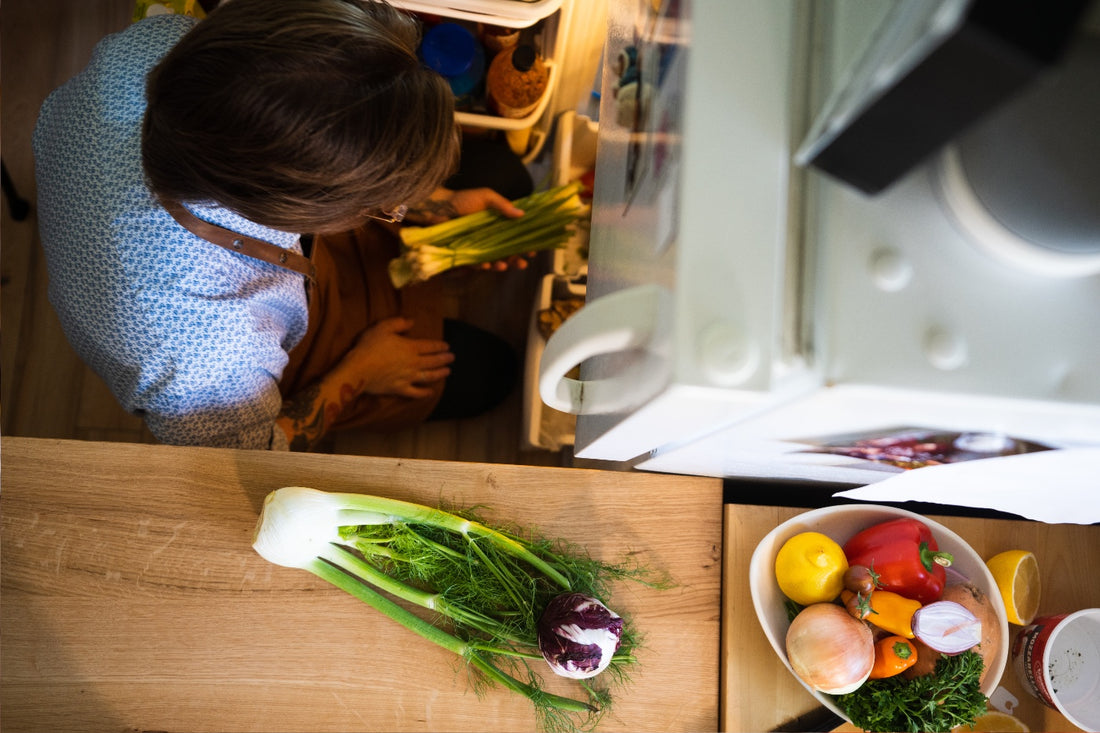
{"points": [[482, 589]]}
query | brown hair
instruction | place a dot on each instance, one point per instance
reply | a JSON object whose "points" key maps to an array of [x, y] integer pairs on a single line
{"points": [[301, 115]]}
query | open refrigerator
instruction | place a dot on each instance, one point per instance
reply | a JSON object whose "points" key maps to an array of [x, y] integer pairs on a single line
{"points": [[563, 290], [544, 23], [559, 146], [749, 312]]}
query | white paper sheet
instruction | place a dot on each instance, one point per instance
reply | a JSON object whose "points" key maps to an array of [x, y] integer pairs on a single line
{"points": [[1056, 486]]}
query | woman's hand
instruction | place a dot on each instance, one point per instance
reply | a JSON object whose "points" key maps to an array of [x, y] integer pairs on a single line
{"points": [[385, 361], [517, 262], [382, 361], [472, 200], [446, 204]]}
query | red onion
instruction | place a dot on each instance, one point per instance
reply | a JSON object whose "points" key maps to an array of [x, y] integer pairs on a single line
{"points": [[578, 635], [947, 627]]}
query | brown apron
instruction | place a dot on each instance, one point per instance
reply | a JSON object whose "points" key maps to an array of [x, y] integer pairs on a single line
{"points": [[352, 291], [349, 289]]}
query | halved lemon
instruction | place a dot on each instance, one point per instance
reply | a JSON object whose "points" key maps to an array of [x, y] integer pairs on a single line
{"points": [[1017, 576], [995, 721]]}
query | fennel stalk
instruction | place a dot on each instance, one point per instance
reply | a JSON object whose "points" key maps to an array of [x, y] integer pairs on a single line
{"points": [[482, 588]]}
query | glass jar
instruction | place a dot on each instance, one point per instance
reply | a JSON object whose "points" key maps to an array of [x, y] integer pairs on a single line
{"points": [[516, 81]]}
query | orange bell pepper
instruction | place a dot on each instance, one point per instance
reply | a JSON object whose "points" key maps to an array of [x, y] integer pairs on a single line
{"points": [[893, 655], [888, 611]]}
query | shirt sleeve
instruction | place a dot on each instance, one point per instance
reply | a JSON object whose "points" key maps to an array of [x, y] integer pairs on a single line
{"points": [[242, 425], [212, 377]]}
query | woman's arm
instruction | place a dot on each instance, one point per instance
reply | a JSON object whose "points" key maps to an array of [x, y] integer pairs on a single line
{"points": [[383, 361], [307, 416]]}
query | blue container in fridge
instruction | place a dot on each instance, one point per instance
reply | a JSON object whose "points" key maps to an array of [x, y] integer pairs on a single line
{"points": [[456, 54]]}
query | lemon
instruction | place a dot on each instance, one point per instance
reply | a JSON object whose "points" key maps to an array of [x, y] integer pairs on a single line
{"points": [[810, 568], [1017, 576], [995, 721]]}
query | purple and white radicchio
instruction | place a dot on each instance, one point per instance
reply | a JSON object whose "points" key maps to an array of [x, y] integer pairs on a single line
{"points": [[578, 635]]}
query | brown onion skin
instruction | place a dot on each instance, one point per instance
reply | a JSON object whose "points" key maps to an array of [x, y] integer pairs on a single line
{"points": [[971, 597], [829, 650]]}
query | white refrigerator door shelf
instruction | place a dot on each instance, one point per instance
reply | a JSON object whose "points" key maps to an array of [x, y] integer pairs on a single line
{"points": [[510, 13], [715, 244]]}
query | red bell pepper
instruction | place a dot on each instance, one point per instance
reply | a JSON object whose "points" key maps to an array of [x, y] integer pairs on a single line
{"points": [[905, 555]]}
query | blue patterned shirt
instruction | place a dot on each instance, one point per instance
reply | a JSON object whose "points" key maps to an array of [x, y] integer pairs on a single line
{"points": [[185, 333]]}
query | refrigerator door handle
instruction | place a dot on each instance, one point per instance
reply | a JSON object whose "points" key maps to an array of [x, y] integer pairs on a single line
{"points": [[625, 320]]}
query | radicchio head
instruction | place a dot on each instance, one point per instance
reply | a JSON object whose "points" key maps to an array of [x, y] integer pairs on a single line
{"points": [[578, 635]]}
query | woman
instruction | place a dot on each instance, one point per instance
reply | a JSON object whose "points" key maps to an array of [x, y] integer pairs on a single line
{"points": [[263, 121]]}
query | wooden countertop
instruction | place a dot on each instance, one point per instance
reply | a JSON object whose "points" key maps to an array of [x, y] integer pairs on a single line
{"points": [[760, 694], [132, 599]]}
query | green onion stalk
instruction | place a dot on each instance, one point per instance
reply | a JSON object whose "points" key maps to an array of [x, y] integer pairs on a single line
{"points": [[482, 589], [548, 222]]}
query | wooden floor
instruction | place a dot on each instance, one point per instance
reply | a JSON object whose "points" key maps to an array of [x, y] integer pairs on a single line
{"points": [[48, 392]]}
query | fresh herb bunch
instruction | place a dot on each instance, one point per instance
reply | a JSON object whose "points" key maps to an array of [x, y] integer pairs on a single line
{"points": [[948, 697]]}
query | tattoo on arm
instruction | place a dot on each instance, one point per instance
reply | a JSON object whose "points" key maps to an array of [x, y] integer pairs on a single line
{"points": [[432, 210], [307, 415], [302, 419], [306, 435], [302, 404]]}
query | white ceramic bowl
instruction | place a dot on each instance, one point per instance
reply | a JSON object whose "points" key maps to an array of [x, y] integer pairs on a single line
{"points": [[841, 523]]}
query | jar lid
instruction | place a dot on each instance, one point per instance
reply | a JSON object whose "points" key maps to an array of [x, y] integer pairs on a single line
{"points": [[523, 58], [448, 48]]}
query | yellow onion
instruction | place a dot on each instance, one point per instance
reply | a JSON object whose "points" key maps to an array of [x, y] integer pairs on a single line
{"points": [[829, 650]]}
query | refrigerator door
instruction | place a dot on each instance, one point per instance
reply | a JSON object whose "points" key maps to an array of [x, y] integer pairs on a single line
{"points": [[805, 322], [691, 199], [933, 348]]}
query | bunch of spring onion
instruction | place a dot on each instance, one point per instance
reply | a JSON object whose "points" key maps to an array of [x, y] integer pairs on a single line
{"points": [[505, 601], [488, 236]]}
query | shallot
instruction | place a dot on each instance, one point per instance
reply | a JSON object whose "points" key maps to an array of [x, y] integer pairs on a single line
{"points": [[947, 627]]}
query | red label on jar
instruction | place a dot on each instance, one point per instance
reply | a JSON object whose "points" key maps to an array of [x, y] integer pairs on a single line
{"points": [[1027, 656]]}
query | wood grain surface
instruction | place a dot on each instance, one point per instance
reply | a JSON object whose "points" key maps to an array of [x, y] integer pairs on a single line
{"points": [[132, 599], [760, 694]]}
